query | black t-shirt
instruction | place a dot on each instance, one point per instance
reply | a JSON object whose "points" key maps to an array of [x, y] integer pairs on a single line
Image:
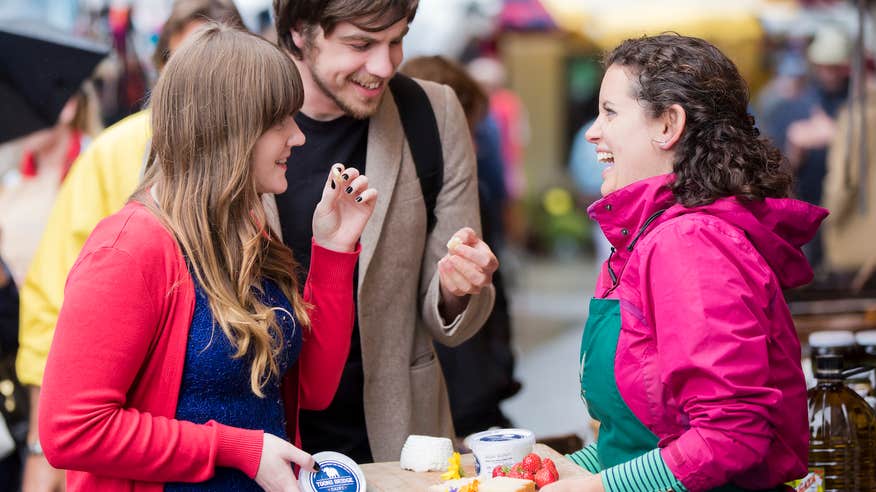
{"points": [[341, 427]]}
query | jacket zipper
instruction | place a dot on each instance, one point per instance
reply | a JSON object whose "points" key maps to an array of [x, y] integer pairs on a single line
{"points": [[615, 281]]}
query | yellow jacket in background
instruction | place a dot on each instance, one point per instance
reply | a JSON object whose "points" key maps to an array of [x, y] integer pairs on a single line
{"points": [[99, 183]]}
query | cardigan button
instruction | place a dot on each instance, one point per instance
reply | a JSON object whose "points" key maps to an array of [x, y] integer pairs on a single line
{"points": [[608, 207], [625, 232]]}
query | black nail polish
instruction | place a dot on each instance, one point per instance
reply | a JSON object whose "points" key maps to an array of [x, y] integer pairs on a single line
{"points": [[333, 184], [345, 176], [358, 198], [349, 189], [316, 466]]}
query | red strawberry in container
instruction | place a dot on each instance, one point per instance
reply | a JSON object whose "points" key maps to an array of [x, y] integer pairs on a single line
{"points": [[544, 477], [516, 471], [550, 466], [532, 463]]}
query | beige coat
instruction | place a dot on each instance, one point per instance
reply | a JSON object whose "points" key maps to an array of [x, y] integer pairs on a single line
{"points": [[849, 230], [405, 392]]}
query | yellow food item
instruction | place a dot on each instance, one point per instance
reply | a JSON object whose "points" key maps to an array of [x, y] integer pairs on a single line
{"points": [[454, 470]]}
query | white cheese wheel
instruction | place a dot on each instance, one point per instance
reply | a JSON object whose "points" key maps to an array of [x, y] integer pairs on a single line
{"points": [[426, 453]]}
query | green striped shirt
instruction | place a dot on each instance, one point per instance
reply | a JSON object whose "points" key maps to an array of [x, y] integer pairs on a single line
{"points": [[647, 473]]}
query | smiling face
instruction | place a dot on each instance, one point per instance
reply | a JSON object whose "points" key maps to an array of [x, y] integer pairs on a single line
{"points": [[347, 71], [626, 136], [270, 153]]}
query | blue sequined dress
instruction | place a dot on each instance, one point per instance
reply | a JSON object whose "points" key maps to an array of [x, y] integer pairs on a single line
{"points": [[216, 386]]}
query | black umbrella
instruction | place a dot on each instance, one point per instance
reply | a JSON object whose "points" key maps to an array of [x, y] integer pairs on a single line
{"points": [[40, 69]]}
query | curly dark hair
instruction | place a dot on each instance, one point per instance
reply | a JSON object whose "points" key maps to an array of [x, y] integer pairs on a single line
{"points": [[369, 15], [720, 152]]}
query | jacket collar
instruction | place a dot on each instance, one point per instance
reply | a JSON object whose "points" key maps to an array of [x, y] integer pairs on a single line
{"points": [[624, 214], [384, 156]]}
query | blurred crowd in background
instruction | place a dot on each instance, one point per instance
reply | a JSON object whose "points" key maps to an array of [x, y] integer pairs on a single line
{"points": [[539, 62]]}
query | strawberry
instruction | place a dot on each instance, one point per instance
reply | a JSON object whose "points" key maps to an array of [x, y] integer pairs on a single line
{"points": [[532, 462], [544, 477], [516, 471], [501, 471], [527, 475], [549, 464]]}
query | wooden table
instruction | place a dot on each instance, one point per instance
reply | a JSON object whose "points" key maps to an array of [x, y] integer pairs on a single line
{"points": [[389, 477]]}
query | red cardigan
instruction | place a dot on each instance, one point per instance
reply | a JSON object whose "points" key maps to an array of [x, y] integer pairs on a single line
{"points": [[112, 380]]}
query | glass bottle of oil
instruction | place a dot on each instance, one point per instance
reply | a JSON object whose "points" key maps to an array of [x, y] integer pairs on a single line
{"points": [[842, 431]]}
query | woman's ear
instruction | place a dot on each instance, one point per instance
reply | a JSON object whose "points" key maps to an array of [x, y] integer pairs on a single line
{"points": [[673, 122]]}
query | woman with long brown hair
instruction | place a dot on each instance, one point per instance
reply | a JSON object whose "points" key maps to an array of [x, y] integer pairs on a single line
{"points": [[705, 390], [192, 346]]}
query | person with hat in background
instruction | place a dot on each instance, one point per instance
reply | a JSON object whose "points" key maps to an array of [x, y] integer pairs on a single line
{"points": [[807, 139]]}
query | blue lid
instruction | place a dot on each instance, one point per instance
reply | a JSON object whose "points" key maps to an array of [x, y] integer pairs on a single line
{"points": [[337, 473], [501, 437]]}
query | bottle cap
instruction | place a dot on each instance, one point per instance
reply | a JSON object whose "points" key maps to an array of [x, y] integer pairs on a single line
{"points": [[866, 337], [337, 473], [829, 366], [833, 338]]}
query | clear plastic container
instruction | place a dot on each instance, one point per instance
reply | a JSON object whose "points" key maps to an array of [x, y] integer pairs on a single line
{"points": [[842, 431]]}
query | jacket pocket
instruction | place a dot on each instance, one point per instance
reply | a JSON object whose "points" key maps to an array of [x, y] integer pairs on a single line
{"points": [[423, 360], [428, 396]]}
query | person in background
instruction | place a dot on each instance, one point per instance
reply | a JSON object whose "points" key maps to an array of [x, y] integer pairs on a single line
{"points": [[850, 191], [807, 126], [512, 119], [202, 387], [689, 359], [10, 457], [441, 289], [474, 402], [28, 191], [99, 183]]}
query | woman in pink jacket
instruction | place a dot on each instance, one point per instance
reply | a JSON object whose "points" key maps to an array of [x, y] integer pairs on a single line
{"points": [[184, 348], [705, 388]]}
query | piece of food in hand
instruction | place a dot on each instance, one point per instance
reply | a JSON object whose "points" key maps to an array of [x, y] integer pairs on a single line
{"points": [[544, 477], [506, 484], [453, 243], [426, 453], [458, 485]]}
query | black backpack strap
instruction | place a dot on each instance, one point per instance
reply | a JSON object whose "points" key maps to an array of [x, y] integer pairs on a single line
{"points": [[421, 130]]}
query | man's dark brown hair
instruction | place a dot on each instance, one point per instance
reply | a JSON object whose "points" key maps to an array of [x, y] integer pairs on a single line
{"points": [[306, 15]]}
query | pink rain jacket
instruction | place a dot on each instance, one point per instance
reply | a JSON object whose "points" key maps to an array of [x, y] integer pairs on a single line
{"points": [[708, 357]]}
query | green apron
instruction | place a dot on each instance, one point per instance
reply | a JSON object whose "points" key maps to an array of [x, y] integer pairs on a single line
{"points": [[622, 436]]}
